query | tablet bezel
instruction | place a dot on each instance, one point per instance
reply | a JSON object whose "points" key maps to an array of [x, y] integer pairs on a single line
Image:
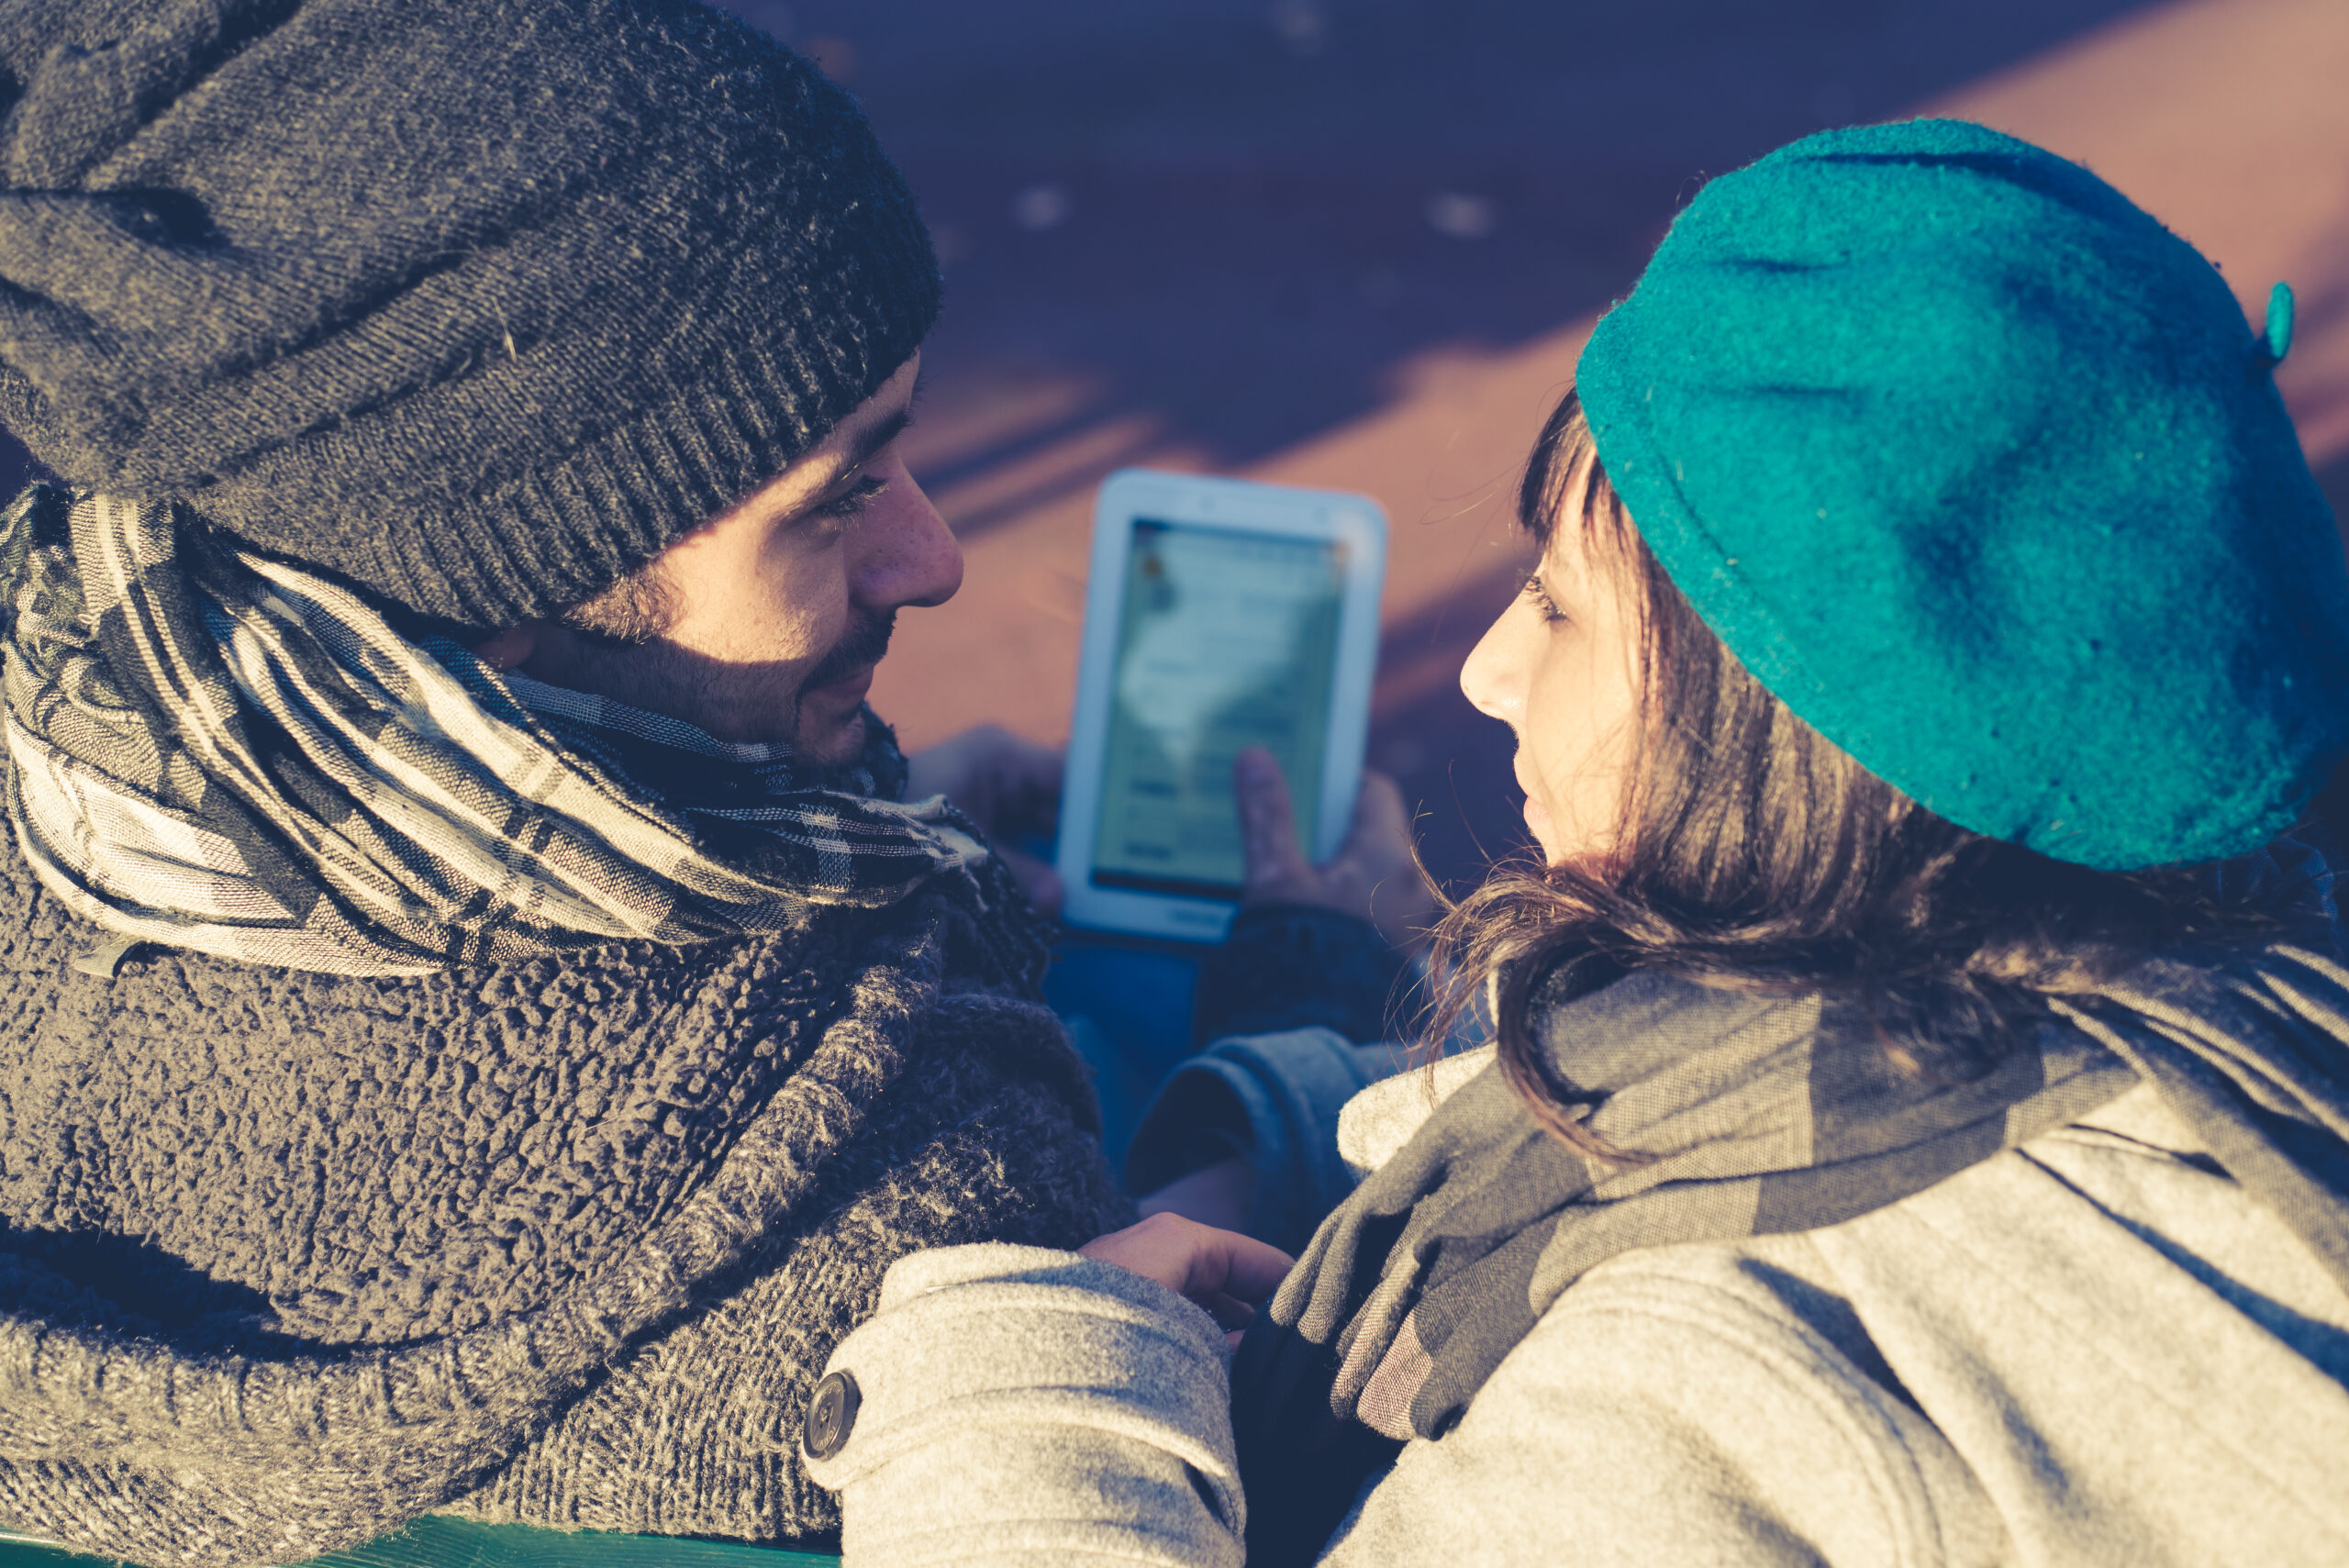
{"points": [[1243, 507]]}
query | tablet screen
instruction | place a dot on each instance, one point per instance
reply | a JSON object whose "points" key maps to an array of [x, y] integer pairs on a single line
{"points": [[1227, 640]]}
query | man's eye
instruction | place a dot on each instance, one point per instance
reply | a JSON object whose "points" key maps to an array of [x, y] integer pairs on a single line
{"points": [[852, 500]]}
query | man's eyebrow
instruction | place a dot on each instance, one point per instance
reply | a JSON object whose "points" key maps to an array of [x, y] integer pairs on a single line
{"points": [[860, 453], [871, 441]]}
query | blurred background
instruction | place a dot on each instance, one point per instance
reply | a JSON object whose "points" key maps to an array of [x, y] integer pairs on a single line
{"points": [[1358, 243]]}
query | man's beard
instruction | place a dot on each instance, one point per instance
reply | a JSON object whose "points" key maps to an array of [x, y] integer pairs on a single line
{"points": [[733, 701], [862, 646]]}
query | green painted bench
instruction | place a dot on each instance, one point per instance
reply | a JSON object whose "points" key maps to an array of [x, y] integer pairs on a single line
{"points": [[460, 1544]]}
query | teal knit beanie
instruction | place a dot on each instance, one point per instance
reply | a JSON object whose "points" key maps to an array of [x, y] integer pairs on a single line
{"points": [[1980, 471]]}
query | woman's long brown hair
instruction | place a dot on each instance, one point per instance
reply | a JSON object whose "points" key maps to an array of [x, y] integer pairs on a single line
{"points": [[1754, 852]]}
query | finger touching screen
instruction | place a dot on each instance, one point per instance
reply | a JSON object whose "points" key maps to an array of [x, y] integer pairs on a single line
{"points": [[1228, 640]]}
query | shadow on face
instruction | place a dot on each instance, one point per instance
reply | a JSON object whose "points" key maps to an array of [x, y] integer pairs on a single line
{"points": [[817, 709], [764, 624]]}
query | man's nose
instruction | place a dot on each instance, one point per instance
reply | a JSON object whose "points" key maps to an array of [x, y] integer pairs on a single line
{"points": [[908, 556]]}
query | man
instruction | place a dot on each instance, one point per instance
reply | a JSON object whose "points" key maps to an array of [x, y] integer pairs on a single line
{"points": [[480, 1016]]}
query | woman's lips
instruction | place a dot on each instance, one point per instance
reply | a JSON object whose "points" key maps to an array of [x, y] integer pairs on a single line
{"points": [[1537, 816]]}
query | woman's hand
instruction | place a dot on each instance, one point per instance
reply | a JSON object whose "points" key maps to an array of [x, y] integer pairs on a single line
{"points": [[1010, 787], [1373, 874], [1223, 1272]]}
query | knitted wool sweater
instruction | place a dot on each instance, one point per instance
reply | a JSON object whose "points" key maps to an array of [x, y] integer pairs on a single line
{"points": [[286, 1259]]}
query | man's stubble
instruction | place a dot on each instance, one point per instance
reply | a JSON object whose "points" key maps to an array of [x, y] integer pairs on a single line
{"points": [[623, 653]]}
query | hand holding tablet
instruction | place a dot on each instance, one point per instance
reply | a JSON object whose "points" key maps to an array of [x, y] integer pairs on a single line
{"points": [[1220, 614]]}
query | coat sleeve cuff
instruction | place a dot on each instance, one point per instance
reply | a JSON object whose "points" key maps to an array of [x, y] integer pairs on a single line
{"points": [[1023, 1404]]}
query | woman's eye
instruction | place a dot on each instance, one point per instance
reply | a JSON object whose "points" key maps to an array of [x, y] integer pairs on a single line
{"points": [[1543, 604], [852, 500]]}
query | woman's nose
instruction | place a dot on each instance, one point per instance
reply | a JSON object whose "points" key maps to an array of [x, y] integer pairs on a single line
{"points": [[1493, 678]]}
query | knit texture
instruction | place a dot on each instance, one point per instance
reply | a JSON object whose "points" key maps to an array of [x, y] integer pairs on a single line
{"points": [[1981, 471], [287, 1259], [478, 303]]}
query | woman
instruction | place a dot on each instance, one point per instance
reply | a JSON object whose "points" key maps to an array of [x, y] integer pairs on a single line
{"points": [[1917, 1128]]}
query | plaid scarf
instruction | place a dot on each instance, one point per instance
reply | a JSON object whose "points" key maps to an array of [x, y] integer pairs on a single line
{"points": [[1758, 1115], [219, 750]]}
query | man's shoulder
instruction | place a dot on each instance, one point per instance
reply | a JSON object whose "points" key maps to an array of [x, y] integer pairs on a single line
{"points": [[56, 967]]}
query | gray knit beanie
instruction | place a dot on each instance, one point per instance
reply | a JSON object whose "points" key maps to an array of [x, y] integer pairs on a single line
{"points": [[477, 303]]}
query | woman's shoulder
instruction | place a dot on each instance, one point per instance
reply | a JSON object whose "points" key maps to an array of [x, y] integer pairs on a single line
{"points": [[2131, 1349], [2094, 1345], [1695, 1403], [2119, 1223]]}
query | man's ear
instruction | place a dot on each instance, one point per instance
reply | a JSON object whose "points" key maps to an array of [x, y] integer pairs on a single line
{"points": [[509, 648]]}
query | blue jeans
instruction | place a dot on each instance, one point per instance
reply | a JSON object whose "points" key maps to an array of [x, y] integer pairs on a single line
{"points": [[1128, 1006]]}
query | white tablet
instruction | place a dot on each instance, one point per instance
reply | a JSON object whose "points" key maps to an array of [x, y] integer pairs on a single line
{"points": [[1220, 614]]}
